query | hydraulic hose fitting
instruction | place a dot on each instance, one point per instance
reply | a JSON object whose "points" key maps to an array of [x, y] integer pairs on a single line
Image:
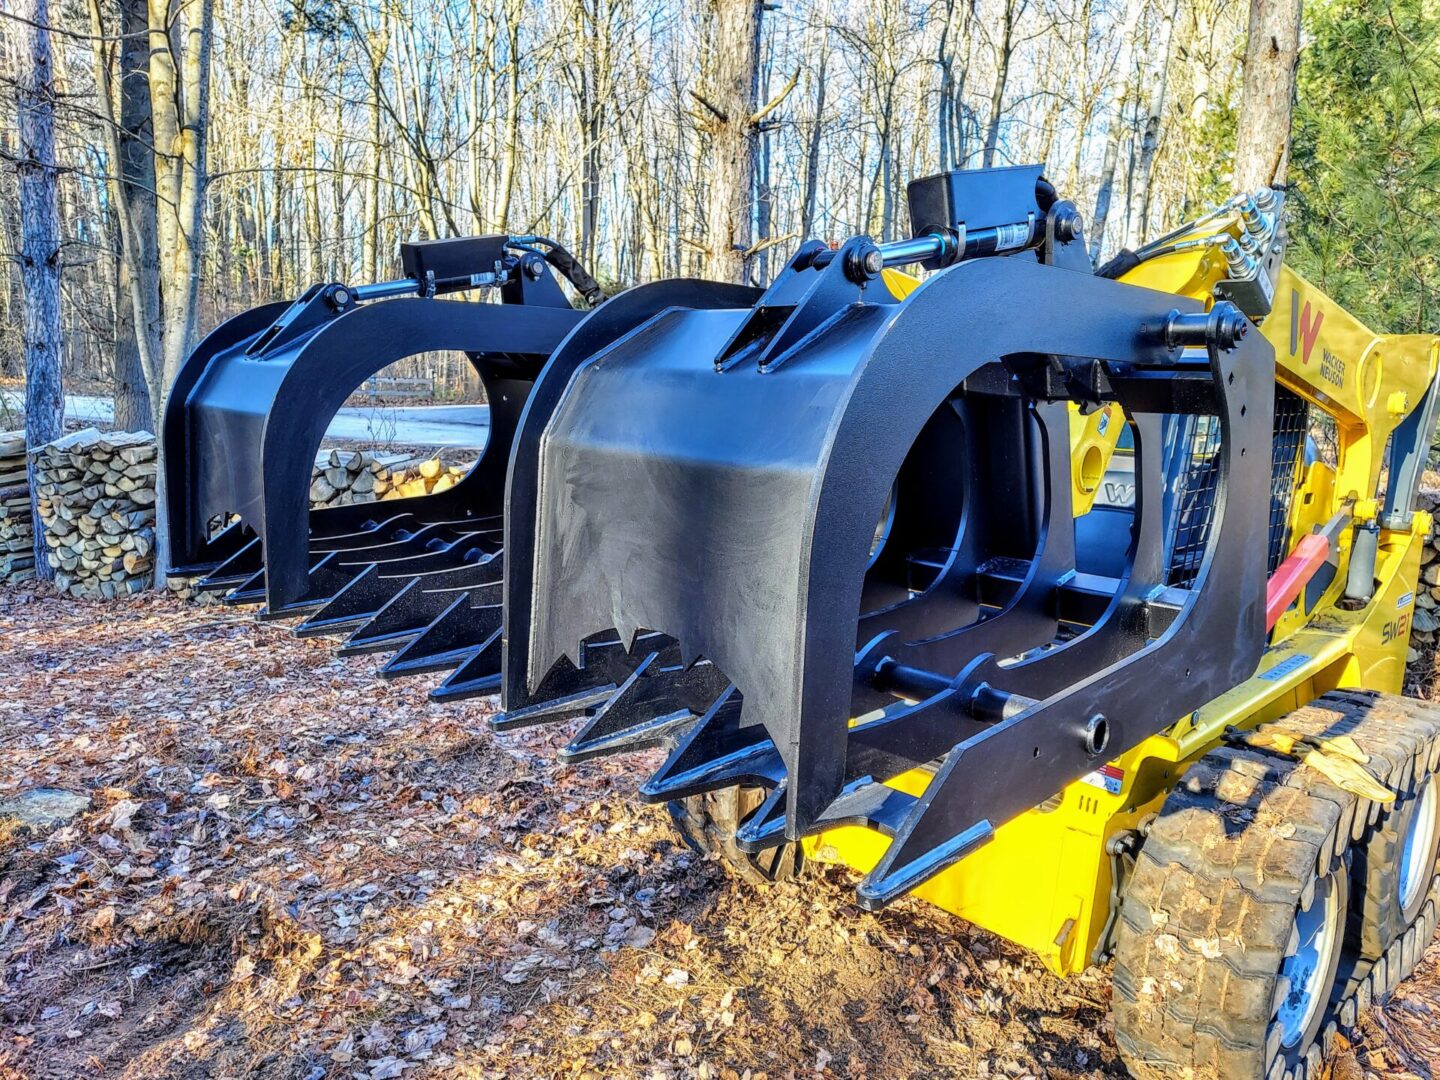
{"points": [[1255, 221], [1240, 264]]}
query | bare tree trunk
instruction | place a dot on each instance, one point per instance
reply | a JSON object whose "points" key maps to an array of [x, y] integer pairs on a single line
{"points": [[730, 98], [40, 254], [370, 238], [310, 180], [511, 152], [812, 150], [132, 397], [138, 325], [945, 58], [1262, 142], [1003, 55], [1124, 69], [180, 110], [1139, 223]]}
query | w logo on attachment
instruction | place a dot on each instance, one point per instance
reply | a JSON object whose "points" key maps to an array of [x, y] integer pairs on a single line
{"points": [[1304, 327]]}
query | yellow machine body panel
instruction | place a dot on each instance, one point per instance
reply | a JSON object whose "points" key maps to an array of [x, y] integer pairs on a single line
{"points": [[1092, 443], [1047, 880]]}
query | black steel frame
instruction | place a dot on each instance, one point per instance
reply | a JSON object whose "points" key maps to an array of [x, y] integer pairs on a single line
{"points": [[705, 572]]}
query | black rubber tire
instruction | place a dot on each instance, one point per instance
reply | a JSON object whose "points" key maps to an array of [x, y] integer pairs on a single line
{"points": [[708, 823], [1234, 854], [1377, 919]]}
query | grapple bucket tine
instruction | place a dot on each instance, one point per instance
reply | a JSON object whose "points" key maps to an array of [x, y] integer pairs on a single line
{"points": [[378, 583], [716, 753], [355, 603], [467, 551], [240, 567], [326, 578], [866, 802], [251, 590], [408, 544], [216, 551], [419, 601], [452, 638], [765, 828], [650, 708], [478, 676], [371, 533], [553, 708]]}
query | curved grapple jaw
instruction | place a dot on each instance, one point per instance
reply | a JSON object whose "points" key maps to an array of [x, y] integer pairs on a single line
{"points": [[419, 577], [708, 573]]}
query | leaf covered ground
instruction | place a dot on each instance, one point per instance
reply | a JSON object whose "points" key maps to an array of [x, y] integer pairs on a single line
{"points": [[290, 868]]}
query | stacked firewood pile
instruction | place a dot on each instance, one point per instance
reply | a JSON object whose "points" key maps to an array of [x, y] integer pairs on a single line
{"points": [[344, 477], [96, 496], [17, 532], [423, 478], [1425, 626]]}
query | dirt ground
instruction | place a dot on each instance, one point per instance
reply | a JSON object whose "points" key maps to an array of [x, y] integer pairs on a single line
{"points": [[290, 868]]}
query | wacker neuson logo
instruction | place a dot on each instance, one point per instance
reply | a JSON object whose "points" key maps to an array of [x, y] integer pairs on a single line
{"points": [[1305, 323]]}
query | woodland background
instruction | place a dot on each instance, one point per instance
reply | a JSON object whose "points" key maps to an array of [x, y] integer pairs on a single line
{"points": [[215, 154]]}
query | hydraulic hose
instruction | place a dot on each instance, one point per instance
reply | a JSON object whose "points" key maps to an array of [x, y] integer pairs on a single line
{"points": [[566, 265]]}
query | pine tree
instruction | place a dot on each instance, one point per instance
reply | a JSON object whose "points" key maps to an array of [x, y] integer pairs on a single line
{"points": [[1367, 160]]}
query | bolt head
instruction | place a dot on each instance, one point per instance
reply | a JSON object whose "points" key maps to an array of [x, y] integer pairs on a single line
{"points": [[1070, 227]]}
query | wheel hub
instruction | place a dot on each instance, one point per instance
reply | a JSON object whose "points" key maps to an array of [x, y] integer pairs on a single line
{"points": [[1304, 984], [1419, 842]]}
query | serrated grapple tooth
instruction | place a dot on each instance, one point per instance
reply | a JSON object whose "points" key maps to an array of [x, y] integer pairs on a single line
{"points": [[716, 753]]}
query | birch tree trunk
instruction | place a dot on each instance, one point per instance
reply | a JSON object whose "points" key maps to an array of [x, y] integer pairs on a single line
{"points": [[180, 111], [812, 150], [730, 98], [1004, 53], [1135, 230], [1267, 98], [1124, 70], [40, 253]]}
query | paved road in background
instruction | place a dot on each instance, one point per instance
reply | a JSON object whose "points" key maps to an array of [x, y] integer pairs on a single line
{"points": [[454, 426]]}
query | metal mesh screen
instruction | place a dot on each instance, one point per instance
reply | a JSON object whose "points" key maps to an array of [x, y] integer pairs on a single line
{"points": [[1324, 437], [1291, 414], [1194, 507]]}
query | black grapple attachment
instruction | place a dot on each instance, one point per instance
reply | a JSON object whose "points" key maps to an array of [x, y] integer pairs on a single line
{"points": [[823, 540], [417, 576]]}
